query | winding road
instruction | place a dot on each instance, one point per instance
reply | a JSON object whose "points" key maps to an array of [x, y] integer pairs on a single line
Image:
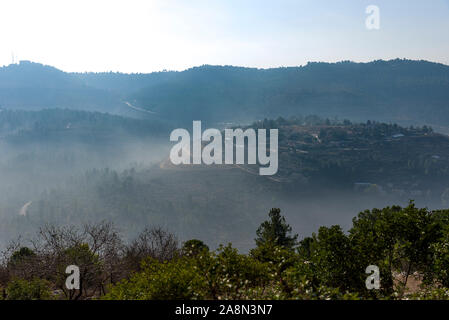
{"points": [[138, 109]]}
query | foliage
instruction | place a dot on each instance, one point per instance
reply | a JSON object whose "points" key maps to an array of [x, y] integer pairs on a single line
{"points": [[396, 239], [21, 255], [275, 231], [229, 274], [36, 289], [194, 247], [430, 293], [176, 279], [302, 288], [224, 274], [404, 242]]}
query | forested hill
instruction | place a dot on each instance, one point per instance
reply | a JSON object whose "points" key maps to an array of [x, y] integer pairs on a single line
{"points": [[32, 86], [403, 91], [398, 90], [370, 158], [65, 125]]}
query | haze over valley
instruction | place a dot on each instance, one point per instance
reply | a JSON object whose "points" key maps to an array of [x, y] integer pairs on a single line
{"points": [[77, 147]]}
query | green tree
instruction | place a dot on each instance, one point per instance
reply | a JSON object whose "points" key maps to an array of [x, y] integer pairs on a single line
{"points": [[438, 270], [276, 231], [374, 237], [194, 247], [90, 270], [334, 259], [236, 275], [396, 240], [20, 255]]}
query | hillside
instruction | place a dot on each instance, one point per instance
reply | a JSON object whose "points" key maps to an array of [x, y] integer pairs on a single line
{"points": [[328, 170], [32, 86], [400, 161], [403, 91], [66, 125], [408, 92]]}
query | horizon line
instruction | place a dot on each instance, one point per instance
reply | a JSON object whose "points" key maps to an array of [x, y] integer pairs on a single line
{"points": [[25, 61]]}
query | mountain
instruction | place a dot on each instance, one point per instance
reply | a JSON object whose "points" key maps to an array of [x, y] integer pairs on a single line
{"points": [[32, 86], [398, 90], [402, 91]]}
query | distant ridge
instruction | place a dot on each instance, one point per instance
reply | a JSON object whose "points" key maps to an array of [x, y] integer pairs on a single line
{"points": [[400, 90]]}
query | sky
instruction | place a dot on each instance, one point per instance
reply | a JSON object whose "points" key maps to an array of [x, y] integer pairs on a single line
{"points": [[154, 35]]}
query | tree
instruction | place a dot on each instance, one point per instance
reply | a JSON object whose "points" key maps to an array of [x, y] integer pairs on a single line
{"points": [[276, 231], [231, 275], [334, 259], [20, 255], [194, 247], [90, 270], [152, 242], [374, 237], [397, 240], [94, 248]]}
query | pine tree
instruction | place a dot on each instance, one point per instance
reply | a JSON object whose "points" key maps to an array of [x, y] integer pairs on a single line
{"points": [[275, 231]]}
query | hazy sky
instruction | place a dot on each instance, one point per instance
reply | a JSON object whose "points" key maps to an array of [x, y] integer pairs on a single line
{"points": [[152, 35]]}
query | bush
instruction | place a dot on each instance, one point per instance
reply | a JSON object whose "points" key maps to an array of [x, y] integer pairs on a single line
{"points": [[303, 285], [20, 255], [233, 274], [431, 294], [36, 289], [169, 280], [224, 274]]}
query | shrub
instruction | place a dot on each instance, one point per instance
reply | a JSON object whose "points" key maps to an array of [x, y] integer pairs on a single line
{"points": [[169, 280], [234, 273], [36, 289]]}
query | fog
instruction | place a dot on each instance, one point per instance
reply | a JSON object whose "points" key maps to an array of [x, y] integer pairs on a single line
{"points": [[129, 180], [29, 171]]}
